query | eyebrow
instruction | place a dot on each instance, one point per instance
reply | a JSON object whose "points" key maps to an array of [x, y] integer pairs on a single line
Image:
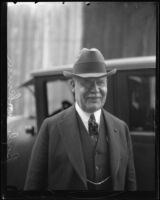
{"points": [[96, 79]]}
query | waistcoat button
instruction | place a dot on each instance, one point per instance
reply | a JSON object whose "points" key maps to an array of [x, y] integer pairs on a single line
{"points": [[97, 167]]}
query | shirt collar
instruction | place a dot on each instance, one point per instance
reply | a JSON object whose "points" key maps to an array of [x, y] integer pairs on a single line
{"points": [[85, 116]]}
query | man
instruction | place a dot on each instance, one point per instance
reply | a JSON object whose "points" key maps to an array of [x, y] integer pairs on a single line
{"points": [[83, 147]]}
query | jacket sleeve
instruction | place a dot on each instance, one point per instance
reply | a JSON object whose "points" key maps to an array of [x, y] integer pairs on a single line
{"points": [[130, 175], [36, 177]]}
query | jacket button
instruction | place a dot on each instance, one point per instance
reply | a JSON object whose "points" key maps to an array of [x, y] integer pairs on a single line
{"points": [[97, 152]]}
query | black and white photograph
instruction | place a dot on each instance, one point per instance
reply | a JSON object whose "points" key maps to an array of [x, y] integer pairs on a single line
{"points": [[81, 97]]}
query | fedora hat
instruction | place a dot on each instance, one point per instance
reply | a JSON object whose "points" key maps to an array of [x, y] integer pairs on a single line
{"points": [[90, 63]]}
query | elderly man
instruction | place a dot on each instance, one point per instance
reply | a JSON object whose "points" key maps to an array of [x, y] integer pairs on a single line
{"points": [[83, 147]]}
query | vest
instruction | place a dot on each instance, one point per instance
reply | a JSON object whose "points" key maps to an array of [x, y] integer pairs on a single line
{"points": [[96, 156]]}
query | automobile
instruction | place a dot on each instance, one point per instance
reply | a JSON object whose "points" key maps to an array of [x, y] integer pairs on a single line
{"points": [[131, 97]]}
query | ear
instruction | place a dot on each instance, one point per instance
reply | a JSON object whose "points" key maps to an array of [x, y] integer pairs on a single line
{"points": [[72, 82]]}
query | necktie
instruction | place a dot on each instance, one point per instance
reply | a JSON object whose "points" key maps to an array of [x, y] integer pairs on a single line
{"points": [[93, 127]]}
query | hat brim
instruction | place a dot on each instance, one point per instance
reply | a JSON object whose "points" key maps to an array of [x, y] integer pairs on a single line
{"points": [[89, 75]]}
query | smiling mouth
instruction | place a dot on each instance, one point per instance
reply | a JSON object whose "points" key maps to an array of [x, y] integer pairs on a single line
{"points": [[93, 97]]}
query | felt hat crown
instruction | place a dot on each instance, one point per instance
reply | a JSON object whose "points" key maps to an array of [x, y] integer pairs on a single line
{"points": [[90, 63]]}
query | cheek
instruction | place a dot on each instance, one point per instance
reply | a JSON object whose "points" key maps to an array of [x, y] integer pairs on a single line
{"points": [[79, 93], [104, 91]]}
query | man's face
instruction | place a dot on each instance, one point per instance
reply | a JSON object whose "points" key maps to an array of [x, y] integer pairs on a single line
{"points": [[90, 93]]}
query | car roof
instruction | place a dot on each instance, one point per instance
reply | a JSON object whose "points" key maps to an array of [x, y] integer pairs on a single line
{"points": [[120, 64]]}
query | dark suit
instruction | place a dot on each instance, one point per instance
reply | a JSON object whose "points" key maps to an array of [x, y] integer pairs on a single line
{"points": [[57, 161]]}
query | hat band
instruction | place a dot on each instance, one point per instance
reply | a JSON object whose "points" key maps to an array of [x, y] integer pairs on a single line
{"points": [[89, 67]]}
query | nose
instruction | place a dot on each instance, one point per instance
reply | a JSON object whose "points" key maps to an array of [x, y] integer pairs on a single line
{"points": [[95, 87]]}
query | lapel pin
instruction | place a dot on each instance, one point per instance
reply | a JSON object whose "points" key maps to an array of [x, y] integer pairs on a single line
{"points": [[115, 130]]}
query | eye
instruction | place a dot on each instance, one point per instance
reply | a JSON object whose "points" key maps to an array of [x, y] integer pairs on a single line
{"points": [[100, 82], [85, 83]]}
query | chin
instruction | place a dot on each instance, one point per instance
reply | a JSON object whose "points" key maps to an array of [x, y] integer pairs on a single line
{"points": [[93, 108]]}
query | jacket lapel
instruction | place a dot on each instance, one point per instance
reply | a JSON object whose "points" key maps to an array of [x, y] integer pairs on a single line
{"points": [[68, 129], [113, 146]]}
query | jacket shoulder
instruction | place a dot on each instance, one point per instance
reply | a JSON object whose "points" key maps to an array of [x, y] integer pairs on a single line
{"points": [[114, 118], [60, 115]]}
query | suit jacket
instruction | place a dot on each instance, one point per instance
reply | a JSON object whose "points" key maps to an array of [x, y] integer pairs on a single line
{"points": [[57, 161]]}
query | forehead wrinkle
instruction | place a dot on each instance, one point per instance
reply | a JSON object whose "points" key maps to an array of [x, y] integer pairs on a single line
{"points": [[95, 80], [83, 81]]}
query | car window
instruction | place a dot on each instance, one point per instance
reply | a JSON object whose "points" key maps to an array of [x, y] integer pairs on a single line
{"points": [[59, 96], [141, 93]]}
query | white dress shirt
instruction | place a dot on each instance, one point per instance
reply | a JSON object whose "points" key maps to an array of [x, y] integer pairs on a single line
{"points": [[85, 116]]}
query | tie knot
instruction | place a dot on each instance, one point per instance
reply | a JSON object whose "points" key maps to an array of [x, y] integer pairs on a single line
{"points": [[92, 118]]}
